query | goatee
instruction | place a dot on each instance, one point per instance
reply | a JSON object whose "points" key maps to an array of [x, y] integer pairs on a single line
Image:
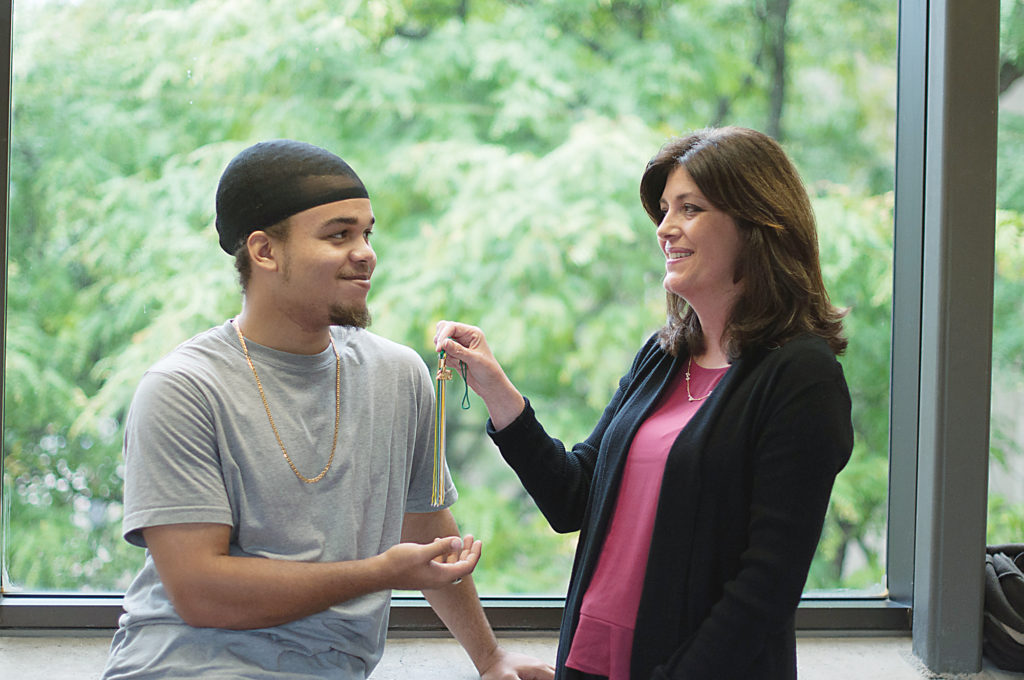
{"points": [[354, 316]]}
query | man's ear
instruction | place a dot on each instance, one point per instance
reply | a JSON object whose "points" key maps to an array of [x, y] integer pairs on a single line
{"points": [[264, 251]]}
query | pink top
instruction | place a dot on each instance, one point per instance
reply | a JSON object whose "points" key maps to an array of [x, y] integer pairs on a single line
{"points": [[603, 641]]}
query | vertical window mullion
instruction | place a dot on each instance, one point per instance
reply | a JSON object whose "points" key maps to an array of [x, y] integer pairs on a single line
{"points": [[6, 26], [905, 368], [959, 140]]}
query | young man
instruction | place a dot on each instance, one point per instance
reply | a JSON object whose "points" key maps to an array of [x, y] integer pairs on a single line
{"points": [[279, 466]]}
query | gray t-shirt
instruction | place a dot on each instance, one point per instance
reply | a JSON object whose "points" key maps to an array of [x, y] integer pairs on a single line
{"points": [[199, 448]]}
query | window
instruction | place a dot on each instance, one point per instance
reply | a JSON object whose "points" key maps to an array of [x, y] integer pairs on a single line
{"points": [[1006, 475], [501, 142], [504, 145]]}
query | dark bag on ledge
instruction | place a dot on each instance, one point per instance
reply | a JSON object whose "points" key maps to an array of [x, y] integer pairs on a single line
{"points": [[1004, 606]]}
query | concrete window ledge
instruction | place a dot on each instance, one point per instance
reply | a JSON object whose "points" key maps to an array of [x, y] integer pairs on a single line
{"points": [[28, 655]]}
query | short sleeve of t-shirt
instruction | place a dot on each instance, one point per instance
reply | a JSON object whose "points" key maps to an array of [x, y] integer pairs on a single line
{"points": [[173, 472]]}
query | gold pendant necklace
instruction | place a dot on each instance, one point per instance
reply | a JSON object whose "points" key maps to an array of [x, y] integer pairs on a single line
{"points": [[337, 408], [689, 363]]}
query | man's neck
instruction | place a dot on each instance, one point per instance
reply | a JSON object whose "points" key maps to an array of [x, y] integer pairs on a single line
{"points": [[280, 332]]}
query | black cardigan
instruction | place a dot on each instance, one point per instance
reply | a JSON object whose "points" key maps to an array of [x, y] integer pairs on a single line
{"points": [[741, 507]]}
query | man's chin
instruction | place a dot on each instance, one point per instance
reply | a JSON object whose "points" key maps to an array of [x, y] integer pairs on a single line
{"points": [[352, 317]]}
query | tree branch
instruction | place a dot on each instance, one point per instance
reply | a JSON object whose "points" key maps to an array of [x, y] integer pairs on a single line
{"points": [[1009, 72]]}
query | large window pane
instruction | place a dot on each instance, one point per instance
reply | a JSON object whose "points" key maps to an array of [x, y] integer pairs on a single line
{"points": [[1006, 467], [502, 144]]}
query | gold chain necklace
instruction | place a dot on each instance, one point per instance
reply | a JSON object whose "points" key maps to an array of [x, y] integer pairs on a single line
{"points": [[337, 408], [689, 363]]}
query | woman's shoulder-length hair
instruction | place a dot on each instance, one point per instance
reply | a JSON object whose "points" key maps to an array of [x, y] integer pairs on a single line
{"points": [[747, 175]]}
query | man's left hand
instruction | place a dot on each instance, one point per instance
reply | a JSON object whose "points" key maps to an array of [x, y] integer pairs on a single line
{"points": [[504, 665]]}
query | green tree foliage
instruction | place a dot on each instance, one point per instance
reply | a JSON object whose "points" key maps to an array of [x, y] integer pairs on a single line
{"points": [[502, 143]]}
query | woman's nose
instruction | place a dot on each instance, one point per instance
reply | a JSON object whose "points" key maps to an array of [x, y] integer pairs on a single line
{"points": [[668, 226]]}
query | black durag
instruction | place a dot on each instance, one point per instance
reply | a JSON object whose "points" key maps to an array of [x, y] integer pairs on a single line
{"points": [[273, 180]]}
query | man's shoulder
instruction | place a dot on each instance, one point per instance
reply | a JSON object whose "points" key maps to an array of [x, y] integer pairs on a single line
{"points": [[198, 356], [376, 347]]}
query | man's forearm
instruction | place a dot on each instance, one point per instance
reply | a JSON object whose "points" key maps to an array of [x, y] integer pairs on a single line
{"points": [[457, 605], [210, 588], [245, 593]]}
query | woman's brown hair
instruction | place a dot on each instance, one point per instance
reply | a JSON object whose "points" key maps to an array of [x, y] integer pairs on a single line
{"points": [[747, 175]]}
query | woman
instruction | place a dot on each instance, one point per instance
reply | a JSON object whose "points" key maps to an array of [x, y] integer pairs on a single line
{"points": [[700, 494]]}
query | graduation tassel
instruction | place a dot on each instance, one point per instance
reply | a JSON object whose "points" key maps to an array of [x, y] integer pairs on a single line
{"points": [[443, 376]]}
